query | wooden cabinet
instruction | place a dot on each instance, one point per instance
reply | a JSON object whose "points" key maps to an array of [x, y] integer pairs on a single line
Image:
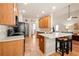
{"points": [[12, 48], [41, 43], [0, 49], [44, 22], [7, 13]]}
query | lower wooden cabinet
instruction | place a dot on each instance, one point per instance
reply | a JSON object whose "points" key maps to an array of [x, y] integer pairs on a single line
{"points": [[12, 48], [1, 49], [41, 43], [75, 37]]}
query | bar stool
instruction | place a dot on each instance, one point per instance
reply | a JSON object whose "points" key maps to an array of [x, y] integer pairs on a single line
{"points": [[65, 45]]}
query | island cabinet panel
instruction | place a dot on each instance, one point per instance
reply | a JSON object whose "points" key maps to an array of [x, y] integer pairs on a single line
{"points": [[12, 48], [7, 13], [0, 49], [41, 43]]}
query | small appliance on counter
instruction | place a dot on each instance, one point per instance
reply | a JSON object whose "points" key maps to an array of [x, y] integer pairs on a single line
{"points": [[19, 29], [10, 31]]}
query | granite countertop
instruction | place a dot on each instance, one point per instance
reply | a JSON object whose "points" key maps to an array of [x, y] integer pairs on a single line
{"points": [[12, 38], [55, 35]]}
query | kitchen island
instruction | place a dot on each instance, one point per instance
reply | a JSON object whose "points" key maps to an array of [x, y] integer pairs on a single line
{"points": [[49, 41], [12, 46]]}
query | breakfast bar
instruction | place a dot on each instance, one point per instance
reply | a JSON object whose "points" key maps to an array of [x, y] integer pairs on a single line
{"points": [[49, 41]]}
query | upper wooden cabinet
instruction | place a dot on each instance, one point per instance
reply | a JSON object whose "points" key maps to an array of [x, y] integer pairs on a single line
{"points": [[7, 13], [44, 22]]}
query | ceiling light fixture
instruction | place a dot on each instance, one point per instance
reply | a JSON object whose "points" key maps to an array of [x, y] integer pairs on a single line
{"points": [[54, 7], [42, 12], [69, 16], [25, 3]]}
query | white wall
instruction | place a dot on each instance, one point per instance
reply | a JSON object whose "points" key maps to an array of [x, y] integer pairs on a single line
{"points": [[30, 26], [60, 23], [21, 17], [37, 23]]}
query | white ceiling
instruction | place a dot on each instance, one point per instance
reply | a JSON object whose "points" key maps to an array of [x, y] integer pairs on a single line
{"points": [[32, 10]]}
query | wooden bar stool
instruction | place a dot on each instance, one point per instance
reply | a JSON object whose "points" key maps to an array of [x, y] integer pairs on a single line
{"points": [[64, 45]]}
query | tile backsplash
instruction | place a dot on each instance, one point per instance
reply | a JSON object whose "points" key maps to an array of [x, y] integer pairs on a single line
{"points": [[3, 31]]}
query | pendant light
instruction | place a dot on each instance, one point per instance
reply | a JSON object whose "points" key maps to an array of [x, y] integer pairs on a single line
{"points": [[71, 19], [69, 15]]}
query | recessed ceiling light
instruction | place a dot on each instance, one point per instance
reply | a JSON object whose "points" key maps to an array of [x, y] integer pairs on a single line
{"points": [[25, 3], [54, 7], [42, 12]]}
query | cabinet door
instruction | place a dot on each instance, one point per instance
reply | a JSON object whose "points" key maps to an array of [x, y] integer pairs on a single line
{"points": [[44, 22], [7, 15], [13, 48], [0, 49], [1, 13], [19, 45], [8, 49], [41, 43]]}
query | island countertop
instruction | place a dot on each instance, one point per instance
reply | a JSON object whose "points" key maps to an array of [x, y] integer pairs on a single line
{"points": [[49, 41], [55, 34], [12, 38]]}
